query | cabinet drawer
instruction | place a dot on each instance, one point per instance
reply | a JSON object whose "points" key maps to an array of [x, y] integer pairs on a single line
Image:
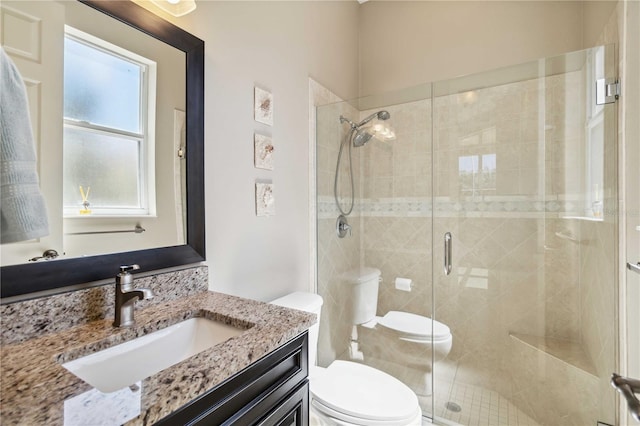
{"points": [[244, 398]]}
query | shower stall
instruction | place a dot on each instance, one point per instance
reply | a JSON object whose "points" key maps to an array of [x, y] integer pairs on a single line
{"points": [[491, 198]]}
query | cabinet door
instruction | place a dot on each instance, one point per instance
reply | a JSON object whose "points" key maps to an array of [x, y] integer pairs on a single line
{"points": [[292, 411], [253, 395]]}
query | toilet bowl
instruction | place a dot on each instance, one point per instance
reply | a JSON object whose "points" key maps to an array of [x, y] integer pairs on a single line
{"points": [[347, 393], [397, 340], [415, 337]]}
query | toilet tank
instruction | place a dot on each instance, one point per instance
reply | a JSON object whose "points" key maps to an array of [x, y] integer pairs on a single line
{"points": [[362, 292], [307, 302]]}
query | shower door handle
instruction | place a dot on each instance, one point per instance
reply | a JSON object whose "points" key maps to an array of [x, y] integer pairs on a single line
{"points": [[628, 388], [448, 253], [635, 268]]}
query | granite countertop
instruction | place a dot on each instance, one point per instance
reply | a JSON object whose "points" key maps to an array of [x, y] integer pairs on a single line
{"points": [[36, 389]]}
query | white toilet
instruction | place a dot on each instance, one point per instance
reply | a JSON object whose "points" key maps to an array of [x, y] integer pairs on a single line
{"points": [[396, 340], [347, 393]]}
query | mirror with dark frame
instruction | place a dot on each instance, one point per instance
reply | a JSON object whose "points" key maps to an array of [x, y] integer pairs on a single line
{"points": [[27, 280]]}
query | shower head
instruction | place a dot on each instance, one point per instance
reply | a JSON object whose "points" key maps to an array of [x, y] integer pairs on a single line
{"points": [[380, 115], [383, 115], [363, 134], [361, 137]]}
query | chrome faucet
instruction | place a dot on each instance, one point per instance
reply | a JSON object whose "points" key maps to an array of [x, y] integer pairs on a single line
{"points": [[126, 296]]}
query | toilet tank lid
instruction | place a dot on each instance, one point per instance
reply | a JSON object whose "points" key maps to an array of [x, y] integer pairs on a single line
{"points": [[301, 300], [361, 275]]}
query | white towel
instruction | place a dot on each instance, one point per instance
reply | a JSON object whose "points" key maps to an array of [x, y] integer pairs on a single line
{"points": [[22, 206]]}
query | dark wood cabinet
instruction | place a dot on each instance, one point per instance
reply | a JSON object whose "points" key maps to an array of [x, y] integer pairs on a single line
{"points": [[272, 391]]}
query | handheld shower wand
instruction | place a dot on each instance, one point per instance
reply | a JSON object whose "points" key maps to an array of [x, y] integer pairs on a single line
{"points": [[380, 115], [358, 136]]}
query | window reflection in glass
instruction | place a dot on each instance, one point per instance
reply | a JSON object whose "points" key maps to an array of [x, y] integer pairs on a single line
{"points": [[85, 165], [100, 87], [108, 110], [477, 173]]}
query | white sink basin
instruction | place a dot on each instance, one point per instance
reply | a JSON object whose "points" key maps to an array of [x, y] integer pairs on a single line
{"points": [[122, 365]]}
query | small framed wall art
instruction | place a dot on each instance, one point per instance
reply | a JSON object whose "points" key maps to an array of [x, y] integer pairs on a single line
{"points": [[263, 151], [263, 106], [265, 201]]}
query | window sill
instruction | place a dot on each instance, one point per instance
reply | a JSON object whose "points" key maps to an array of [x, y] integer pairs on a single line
{"points": [[110, 216]]}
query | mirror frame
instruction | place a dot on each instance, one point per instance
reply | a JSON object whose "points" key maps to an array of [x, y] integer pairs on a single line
{"points": [[47, 276]]}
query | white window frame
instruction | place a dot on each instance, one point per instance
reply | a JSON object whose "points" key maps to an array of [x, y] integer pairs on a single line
{"points": [[147, 135]]}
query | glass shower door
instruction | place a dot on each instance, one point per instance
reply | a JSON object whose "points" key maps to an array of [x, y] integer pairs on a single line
{"points": [[524, 179]]}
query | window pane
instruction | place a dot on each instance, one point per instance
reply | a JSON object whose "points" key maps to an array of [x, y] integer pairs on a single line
{"points": [[467, 170], [487, 179], [107, 164], [101, 88]]}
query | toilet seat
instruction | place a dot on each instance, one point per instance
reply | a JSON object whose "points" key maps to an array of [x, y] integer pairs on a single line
{"points": [[342, 419], [414, 327], [361, 395]]}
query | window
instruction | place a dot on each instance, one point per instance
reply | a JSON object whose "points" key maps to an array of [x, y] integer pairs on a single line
{"points": [[109, 122]]}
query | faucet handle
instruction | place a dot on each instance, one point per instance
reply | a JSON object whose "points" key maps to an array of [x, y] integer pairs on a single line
{"points": [[127, 268], [124, 278]]}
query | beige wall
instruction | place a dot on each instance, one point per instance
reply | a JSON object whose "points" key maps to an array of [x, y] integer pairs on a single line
{"points": [[596, 17], [440, 40], [276, 45]]}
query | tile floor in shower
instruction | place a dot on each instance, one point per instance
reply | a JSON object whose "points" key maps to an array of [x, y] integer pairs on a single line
{"points": [[479, 407]]}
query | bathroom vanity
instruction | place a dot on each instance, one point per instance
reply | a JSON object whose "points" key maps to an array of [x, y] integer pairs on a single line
{"points": [[258, 376], [272, 391]]}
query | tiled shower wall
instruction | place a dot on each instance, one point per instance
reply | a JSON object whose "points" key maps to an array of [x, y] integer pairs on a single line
{"points": [[396, 184], [335, 256]]}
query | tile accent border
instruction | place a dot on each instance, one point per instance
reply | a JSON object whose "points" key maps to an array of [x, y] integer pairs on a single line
{"points": [[522, 207]]}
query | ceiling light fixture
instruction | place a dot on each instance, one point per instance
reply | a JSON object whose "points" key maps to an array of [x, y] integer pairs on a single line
{"points": [[176, 7]]}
